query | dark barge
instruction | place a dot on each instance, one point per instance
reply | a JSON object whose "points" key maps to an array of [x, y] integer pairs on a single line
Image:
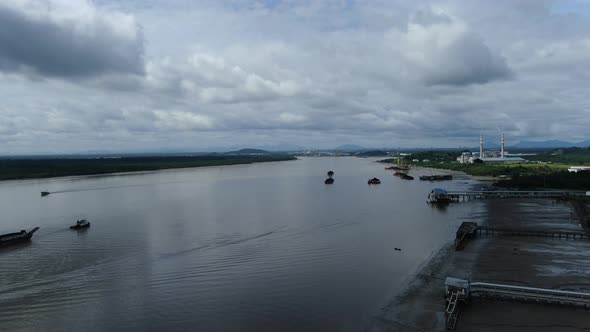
{"points": [[406, 177], [436, 177], [374, 181], [12, 238]]}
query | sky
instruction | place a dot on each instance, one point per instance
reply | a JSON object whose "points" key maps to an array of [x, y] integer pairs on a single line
{"points": [[164, 75]]}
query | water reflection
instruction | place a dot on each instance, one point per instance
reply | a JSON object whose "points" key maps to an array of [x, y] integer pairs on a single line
{"points": [[250, 247]]}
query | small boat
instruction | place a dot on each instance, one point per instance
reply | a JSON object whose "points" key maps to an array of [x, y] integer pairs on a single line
{"points": [[45, 193], [398, 173], [329, 180], [12, 238], [83, 223], [438, 196], [407, 177], [374, 181]]}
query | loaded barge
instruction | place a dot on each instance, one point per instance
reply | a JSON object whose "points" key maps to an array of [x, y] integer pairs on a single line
{"points": [[12, 238]]}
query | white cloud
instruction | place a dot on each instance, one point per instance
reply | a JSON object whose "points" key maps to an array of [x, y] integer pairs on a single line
{"points": [[67, 39], [439, 49], [211, 79], [313, 73], [178, 120]]}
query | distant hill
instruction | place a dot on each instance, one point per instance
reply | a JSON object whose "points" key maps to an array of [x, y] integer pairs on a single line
{"points": [[373, 153], [248, 152], [573, 155], [544, 144], [350, 147], [277, 147], [583, 144]]}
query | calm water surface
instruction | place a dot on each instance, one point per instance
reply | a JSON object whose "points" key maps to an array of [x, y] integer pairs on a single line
{"points": [[261, 247]]}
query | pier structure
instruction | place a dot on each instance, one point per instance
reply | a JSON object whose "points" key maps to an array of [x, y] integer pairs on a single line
{"points": [[438, 195], [470, 230], [459, 291], [499, 231]]}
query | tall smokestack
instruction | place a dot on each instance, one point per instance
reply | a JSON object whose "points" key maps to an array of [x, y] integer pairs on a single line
{"points": [[480, 146], [502, 144]]}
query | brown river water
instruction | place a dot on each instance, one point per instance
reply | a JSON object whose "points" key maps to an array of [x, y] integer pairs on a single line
{"points": [[261, 247]]}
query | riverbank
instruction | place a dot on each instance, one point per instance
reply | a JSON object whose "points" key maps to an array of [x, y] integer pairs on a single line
{"points": [[522, 176], [457, 175], [21, 169], [535, 262]]}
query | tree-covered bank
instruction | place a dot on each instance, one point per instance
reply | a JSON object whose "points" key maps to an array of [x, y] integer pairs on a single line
{"points": [[549, 170], [14, 169]]}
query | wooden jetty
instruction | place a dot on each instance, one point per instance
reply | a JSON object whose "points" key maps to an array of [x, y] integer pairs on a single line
{"points": [[469, 230], [460, 291], [438, 195], [466, 231], [499, 231]]}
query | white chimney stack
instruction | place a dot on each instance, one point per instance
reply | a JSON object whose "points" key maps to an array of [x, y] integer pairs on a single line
{"points": [[480, 146], [502, 144]]}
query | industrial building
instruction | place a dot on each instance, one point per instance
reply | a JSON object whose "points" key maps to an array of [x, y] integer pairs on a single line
{"points": [[488, 158], [576, 169]]}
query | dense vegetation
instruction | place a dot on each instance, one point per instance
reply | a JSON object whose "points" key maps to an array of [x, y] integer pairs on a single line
{"points": [[440, 155], [526, 176], [372, 153], [558, 180], [573, 156], [494, 170], [47, 167]]}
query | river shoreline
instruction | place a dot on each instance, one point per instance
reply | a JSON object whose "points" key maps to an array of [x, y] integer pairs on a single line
{"points": [[138, 166], [419, 304], [534, 262], [441, 171]]}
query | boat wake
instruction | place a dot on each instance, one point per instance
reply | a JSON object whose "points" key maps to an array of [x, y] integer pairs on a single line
{"points": [[115, 187], [220, 243]]}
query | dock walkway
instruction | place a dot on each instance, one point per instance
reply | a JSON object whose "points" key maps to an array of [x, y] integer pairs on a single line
{"points": [[459, 290], [470, 230], [443, 196], [498, 231]]}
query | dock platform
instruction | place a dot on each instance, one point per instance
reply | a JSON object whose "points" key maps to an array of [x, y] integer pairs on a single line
{"points": [[460, 291], [499, 231], [470, 230], [438, 195]]}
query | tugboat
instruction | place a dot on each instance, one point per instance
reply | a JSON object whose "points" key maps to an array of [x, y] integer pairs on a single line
{"points": [[12, 238], [329, 180], [374, 181], [82, 223]]}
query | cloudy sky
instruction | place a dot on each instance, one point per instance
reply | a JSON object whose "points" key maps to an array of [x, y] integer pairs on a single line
{"points": [[141, 75]]}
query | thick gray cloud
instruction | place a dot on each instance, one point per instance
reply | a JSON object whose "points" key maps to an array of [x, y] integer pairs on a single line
{"points": [[443, 50], [309, 73], [55, 39]]}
